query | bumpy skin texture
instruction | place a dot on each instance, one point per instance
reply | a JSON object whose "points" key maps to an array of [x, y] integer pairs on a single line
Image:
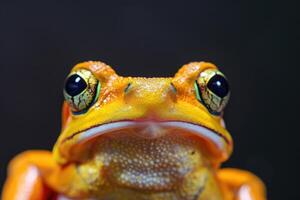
{"points": [[139, 151]]}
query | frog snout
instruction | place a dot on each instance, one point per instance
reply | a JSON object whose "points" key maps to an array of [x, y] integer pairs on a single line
{"points": [[150, 93]]}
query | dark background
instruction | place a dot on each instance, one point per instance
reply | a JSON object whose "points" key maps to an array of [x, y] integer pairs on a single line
{"points": [[255, 43]]}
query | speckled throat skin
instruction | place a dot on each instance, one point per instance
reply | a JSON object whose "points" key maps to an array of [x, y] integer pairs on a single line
{"points": [[163, 167]]}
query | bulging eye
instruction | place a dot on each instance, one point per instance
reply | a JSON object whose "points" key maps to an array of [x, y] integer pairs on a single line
{"points": [[212, 90], [81, 90]]}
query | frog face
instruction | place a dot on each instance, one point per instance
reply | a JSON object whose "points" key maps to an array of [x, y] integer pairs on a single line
{"points": [[129, 124]]}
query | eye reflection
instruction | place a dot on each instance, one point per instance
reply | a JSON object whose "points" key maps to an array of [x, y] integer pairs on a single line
{"points": [[75, 85]]}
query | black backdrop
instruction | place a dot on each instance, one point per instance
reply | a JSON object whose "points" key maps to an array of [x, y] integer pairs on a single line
{"points": [[255, 43]]}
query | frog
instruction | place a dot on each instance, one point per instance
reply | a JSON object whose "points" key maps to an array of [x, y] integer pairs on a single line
{"points": [[137, 138]]}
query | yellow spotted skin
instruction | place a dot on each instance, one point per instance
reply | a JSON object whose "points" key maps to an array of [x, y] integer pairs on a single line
{"points": [[141, 138]]}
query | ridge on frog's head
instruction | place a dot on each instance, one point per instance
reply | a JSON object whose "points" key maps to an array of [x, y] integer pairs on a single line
{"points": [[105, 114]]}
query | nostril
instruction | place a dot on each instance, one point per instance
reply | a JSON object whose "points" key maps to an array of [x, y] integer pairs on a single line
{"points": [[172, 93], [127, 88], [173, 88]]}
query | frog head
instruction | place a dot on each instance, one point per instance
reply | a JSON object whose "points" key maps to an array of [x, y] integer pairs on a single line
{"points": [[134, 126]]}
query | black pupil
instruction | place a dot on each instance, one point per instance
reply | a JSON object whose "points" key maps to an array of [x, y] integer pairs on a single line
{"points": [[218, 85], [75, 85]]}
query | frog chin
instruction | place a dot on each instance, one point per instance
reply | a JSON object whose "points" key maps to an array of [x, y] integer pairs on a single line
{"points": [[144, 155]]}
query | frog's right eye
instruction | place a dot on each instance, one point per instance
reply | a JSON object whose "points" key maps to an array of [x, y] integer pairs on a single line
{"points": [[81, 90]]}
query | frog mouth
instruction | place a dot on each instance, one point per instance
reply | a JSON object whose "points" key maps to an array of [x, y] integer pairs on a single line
{"points": [[153, 129]]}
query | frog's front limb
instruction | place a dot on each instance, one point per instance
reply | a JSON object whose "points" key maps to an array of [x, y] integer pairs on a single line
{"points": [[241, 185], [32, 173]]}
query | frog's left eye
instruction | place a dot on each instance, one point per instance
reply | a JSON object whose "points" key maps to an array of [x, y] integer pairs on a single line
{"points": [[212, 90], [81, 90]]}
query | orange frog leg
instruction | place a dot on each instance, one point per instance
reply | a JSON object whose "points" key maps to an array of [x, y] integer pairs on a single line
{"points": [[32, 173], [241, 185]]}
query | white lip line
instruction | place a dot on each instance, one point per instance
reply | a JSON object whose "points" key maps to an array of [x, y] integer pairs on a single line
{"points": [[113, 126]]}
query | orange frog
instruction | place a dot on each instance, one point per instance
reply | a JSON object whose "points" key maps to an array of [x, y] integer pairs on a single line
{"points": [[134, 138]]}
